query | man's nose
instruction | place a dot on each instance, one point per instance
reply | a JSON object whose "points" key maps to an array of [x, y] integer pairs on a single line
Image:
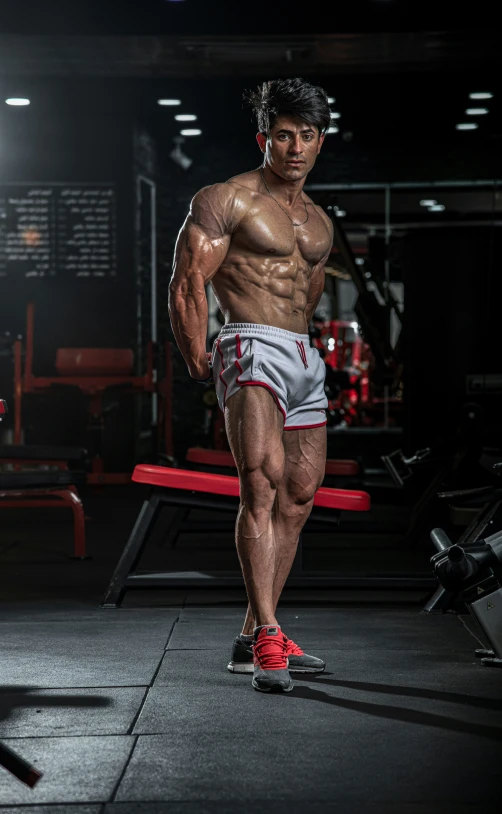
{"points": [[295, 146]]}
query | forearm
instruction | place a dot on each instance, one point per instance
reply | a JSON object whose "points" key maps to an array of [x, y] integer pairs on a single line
{"points": [[188, 312]]}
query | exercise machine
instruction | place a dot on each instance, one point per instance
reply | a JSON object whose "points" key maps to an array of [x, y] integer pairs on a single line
{"points": [[96, 371], [474, 572]]}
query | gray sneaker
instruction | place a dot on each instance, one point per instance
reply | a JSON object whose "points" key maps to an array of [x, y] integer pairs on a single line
{"points": [[270, 672], [241, 660]]}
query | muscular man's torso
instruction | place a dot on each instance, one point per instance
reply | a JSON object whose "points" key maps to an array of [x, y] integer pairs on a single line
{"points": [[266, 273]]}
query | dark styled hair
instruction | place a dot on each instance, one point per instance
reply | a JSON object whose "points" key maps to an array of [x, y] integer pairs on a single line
{"points": [[295, 97]]}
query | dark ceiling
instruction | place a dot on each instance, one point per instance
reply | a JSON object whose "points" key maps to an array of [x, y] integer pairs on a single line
{"points": [[192, 56], [223, 17]]}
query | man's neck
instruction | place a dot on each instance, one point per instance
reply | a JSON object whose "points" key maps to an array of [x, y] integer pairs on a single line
{"points": [[288, 192]]}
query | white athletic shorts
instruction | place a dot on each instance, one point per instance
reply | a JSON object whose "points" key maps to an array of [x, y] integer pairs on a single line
{"points": [[245, 354]]}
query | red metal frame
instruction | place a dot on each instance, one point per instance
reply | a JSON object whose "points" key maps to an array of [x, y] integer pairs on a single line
{"points": [[93, 386], [16, 498]]}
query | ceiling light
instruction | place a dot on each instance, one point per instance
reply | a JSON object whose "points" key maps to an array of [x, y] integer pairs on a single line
{"points": [[333, 129], [477, 111], [17, 102], [191, 132], [428, 202], [186, 117], [168, 102], [340, 213], [482, 95], [331, 100], [359, 261], [335, 115], [436, 208], [466, 126]]}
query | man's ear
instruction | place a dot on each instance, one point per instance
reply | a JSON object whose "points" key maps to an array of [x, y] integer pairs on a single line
{"points": [[262, 141], [321, 142]]}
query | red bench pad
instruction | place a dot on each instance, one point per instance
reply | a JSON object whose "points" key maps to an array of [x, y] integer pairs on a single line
{"points": [[221, 457], [208, 482]]}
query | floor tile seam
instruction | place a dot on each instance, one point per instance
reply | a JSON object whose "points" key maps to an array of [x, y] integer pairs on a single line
{"points": [[138, 714], [70, 688], [152, 680], [124, 770], [61, 737]]}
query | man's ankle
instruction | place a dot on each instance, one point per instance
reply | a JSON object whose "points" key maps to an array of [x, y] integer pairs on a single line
{"points": [[274, 623]]}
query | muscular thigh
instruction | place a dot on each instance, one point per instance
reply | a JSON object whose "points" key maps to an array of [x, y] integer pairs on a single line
{"points": [[254, 429], [305, 463]]}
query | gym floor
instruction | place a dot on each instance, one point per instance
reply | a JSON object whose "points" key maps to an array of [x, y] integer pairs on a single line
{"points": [[133, 710]]}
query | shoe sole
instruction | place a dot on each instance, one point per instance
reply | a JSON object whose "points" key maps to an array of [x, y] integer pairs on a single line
{"points": [[248, 667], [275, 689]]}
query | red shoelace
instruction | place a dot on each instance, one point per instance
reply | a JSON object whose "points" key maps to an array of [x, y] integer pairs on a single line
{"points": [[292, 649], [270, 652]]}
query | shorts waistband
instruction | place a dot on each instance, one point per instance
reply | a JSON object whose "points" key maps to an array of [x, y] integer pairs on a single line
{"points": [[255, 329]]}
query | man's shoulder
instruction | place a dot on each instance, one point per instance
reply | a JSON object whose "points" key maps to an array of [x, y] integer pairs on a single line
{"points": [[224, 192], [326, 218]]}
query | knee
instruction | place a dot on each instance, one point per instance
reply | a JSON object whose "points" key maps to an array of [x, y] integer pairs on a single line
{"points": [[300, 494], [259, 485]]}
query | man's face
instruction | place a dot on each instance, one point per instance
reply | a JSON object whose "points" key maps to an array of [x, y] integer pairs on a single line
{"points": [[291, 148]]}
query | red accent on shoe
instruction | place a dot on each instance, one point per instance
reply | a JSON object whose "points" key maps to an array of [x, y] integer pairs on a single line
{"points": [[292, 649], [269, 652]]}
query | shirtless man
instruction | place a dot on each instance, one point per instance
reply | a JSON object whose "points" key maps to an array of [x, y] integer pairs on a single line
{"points": [[263, 244]]}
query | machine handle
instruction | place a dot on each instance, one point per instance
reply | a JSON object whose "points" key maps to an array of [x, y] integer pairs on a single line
{"points": [[440, 539]]}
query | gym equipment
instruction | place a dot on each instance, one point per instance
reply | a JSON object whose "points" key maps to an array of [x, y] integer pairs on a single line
{"points": [[475, 572], [14, 764], [37, 488], [94, 371], [225, 459], [188, 490]]}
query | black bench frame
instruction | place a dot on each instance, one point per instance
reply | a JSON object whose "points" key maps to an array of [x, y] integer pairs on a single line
{"points": [[126, 576]]}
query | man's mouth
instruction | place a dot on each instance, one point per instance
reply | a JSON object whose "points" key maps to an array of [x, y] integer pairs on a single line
{"points": [[295, 163]]}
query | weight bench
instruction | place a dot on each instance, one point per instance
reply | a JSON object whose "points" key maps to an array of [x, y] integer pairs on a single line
{"points": [[224, 459], [188, 490], [41, 489]]}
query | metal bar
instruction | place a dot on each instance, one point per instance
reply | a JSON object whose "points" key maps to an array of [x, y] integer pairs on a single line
{"points": [[132, 551], [222, 579], [402, 185], [168, 400], [18, 392], [30, 325]]}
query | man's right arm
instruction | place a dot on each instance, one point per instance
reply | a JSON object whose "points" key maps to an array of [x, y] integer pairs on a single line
{"points": [[201, 248]]}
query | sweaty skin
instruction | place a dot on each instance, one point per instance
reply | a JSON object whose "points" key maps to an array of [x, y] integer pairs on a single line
{"points": [[265, 270], [262, 268]]}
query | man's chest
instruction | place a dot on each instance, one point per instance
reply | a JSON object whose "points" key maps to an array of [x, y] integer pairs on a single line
{"points": [[272, 234]]}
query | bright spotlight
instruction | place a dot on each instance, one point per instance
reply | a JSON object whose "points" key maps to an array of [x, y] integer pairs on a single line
{"points": [[191, 132], [359, 261], [481, 95], [466, 126], [331, 100], [17, 102], [185, 117], [476, 111], [335, 115], [333, 129], [168, 102], [436, 208], [428, 202], [340, 213]]}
